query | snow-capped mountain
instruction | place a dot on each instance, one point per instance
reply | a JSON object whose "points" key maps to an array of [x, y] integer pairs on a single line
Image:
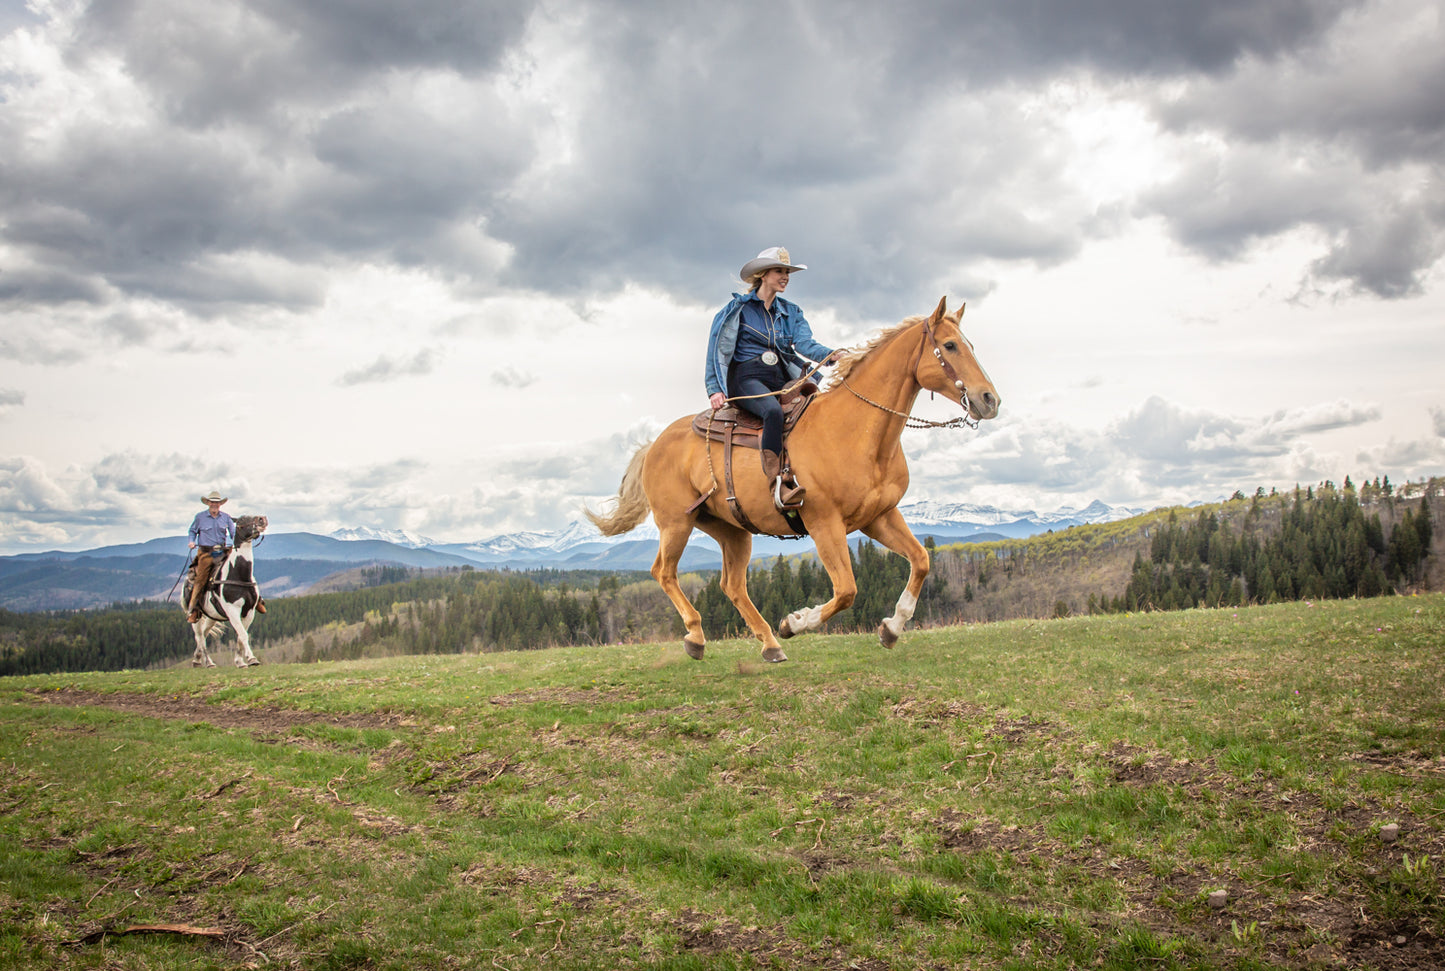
{"points": [[952, 514], [397, 537], [1094, 512], [580, 545], [930, 512]]}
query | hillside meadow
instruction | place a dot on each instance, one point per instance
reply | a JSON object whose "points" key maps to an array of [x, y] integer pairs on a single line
{"points": [[1245, 788]]}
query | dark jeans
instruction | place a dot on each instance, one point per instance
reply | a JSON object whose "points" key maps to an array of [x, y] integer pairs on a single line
{"points": [[752, 378]]}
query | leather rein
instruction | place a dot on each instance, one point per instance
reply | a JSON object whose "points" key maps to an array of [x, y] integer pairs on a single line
{"points": [[909, 421]]}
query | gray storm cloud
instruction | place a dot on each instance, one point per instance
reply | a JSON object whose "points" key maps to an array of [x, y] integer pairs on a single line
{"points": [[266, 139]]}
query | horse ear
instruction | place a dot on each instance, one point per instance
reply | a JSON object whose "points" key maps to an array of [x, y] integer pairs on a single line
{"points": [[941, 311]]}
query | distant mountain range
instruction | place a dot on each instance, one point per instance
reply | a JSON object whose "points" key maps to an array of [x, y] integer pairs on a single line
{"points": [[290, 563]]}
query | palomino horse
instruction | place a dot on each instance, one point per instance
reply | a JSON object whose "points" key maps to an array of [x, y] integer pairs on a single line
{"points": [[231, 597], [845, 451]]}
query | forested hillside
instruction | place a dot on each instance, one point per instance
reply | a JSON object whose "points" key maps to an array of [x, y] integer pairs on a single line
{"points": [[1318, 542]]}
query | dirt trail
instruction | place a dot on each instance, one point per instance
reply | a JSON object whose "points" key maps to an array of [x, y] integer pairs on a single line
{"points": [[190, 709]]}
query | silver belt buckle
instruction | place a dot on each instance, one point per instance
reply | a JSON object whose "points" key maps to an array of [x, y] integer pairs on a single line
{"points": [[769, 358]]}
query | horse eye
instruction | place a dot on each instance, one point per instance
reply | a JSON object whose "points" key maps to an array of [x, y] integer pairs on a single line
{"points": [[950, 346]]}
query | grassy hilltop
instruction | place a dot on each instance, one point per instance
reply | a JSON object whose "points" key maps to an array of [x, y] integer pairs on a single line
{"points": [[1196, 789]]}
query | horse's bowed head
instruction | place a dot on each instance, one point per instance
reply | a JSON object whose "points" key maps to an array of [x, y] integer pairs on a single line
{"points": [[846, 453]]}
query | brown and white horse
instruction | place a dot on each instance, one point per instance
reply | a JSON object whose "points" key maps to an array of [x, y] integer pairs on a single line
{"points": [[231, 597], [845, 451]]}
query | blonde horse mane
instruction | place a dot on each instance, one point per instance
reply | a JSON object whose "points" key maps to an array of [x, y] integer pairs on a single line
{"points": [[854, 356]]}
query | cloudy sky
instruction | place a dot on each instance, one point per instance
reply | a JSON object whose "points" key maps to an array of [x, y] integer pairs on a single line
{"points": [[441, 265]]}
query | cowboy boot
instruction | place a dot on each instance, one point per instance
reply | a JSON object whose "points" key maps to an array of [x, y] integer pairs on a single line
{"points": [[787, 494], [793, 493]]}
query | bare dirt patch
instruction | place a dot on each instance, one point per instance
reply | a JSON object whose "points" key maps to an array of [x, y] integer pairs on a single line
{"points": [[265, 719], [707, 935], [1395, 947]]}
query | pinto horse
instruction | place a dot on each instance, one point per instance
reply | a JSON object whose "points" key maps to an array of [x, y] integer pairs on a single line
{"points": [[231, 597], [845, 451]]}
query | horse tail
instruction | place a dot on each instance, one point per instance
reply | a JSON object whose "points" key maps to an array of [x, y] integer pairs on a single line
{"points": [[631, 506]]}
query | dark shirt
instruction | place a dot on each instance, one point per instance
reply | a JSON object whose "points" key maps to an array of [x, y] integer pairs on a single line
{"points": [[758, 333]]}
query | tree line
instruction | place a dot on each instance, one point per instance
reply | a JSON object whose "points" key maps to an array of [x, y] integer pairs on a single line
{"points": [[124, 636], [1317, 543], [1326, 547]]}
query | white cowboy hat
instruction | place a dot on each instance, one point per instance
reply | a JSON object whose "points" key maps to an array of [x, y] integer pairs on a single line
{"points": [[766, 260], [215, 497]]}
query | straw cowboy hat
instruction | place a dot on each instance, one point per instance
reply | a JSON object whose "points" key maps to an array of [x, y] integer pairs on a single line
{"points": [[766, 260], [215, 497]]}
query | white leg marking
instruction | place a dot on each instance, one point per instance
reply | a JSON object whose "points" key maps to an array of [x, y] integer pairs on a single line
{"points": [[243, 656], [902, 614], [802, 621], [202, 657]]}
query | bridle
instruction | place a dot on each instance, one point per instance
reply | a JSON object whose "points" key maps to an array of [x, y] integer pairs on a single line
{"points": [[909, 421]]}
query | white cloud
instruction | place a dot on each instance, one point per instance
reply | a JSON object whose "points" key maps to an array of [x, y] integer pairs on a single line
{"points": [[437, 266]]}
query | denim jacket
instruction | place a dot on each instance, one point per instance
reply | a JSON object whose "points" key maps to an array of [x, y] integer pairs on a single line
{"points": [[795, 336]]}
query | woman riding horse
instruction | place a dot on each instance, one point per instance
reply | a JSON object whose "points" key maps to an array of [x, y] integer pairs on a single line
{"points": [[752, 353], [849, 444]]}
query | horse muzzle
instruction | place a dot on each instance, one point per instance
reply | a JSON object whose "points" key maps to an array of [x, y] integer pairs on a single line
{"points": [[985, 405]]}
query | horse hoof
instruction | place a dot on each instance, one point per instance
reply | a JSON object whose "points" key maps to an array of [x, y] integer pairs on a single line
{"points": [[886, 636], [195, 664], [251, 662], [774, 654], [693, 650], [785, 631]]}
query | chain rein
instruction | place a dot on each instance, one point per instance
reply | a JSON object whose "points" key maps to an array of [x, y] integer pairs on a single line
{"points": [[909, 421]]}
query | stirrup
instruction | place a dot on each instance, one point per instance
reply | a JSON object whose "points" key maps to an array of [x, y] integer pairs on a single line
{"points": [[778, 496]]}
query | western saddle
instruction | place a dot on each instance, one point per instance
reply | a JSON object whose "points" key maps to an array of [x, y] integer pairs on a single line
{"points": [[735, 428]]}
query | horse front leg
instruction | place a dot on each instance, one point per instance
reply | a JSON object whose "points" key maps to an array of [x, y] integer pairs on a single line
{"points": [[244, 657], [239, 622], [890, 530], [831, 539]]}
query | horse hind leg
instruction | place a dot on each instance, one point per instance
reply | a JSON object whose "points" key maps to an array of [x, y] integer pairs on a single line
{"points": [[672, 541], [202, 657], [737, 547]]}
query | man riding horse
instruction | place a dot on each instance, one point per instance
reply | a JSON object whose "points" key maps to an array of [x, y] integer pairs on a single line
{"points": [[211, 535]]}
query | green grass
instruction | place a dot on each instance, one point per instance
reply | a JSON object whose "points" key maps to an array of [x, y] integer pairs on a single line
{"points": [[1027, 795]]}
